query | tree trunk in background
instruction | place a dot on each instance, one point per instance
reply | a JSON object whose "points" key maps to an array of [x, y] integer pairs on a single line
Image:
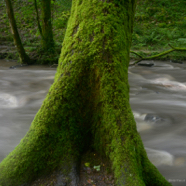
{"points": [[37, 17], [47, 34], [24, 59], [87, 107]]}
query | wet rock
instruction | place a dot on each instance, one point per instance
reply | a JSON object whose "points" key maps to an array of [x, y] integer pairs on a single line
{"points": [[62, 180], [176, 61], [58, 178], [143, 126], [153, 118], [167, 83], [89, 170], [17, 66], [8, 101], [146, 64], [179, 161], [3, 55], [159, 157]]}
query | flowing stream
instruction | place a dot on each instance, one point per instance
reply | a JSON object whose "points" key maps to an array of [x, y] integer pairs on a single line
{"points": [[157, 97]]}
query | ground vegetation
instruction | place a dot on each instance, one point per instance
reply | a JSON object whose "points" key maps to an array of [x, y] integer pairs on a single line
{"points": [[157, 24]]}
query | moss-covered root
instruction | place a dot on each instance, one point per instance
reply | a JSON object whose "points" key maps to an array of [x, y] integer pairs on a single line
{"points": [[147, 176], [130, 163], [53, 140], [42, 161], [151, 175], [116, 135], [59, 177], [157, 55]]}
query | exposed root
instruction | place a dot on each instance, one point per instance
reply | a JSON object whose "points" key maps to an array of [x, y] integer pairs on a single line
{"points": [[157, 55]]}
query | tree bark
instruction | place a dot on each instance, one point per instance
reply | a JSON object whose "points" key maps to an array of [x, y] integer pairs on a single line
{"points": [[47, 33], [87, 107], [37, 17], [24, 59]]}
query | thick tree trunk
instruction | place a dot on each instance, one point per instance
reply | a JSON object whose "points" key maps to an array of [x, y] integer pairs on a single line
{"points": [[87, 107], [24, 59], [47, 34]]}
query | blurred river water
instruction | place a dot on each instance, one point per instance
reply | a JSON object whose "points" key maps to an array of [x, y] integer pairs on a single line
{"points": [[157, 97]]}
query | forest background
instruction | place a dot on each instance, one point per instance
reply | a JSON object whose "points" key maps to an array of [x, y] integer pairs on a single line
{"points": [[158, 23]]}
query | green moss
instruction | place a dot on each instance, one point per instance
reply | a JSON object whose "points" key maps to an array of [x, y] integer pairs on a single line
{"points": [[87, 107]]}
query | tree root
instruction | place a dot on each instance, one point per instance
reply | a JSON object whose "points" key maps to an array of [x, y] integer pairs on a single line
{"points": [[157, 55], [58, 178]]}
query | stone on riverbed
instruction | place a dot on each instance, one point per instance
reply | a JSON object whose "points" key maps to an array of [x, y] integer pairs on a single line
{"points": [[146, 64], [153, 118], [158, 157]]}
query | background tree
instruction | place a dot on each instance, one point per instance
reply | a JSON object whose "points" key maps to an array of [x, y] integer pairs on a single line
{"points": [[46, 26], [17, 41], [37, 17], [153, 31], [87, 108]]}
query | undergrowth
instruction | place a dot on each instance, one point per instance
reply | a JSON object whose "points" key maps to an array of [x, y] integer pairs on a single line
{"points": [[157, 24]]}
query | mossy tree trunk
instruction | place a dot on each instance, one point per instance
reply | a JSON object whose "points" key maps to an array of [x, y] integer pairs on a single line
{"points": [[24, 59], [47, 33], [87, 106]]}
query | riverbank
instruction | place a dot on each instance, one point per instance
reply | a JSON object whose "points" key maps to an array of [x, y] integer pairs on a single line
{"points": [[157, 24]]}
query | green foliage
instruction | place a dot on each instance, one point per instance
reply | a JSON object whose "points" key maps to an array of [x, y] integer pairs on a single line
{"points": [[158, 23], [61, 21], [87, 164], [97, 167], [64, 4], [25, 15]]}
